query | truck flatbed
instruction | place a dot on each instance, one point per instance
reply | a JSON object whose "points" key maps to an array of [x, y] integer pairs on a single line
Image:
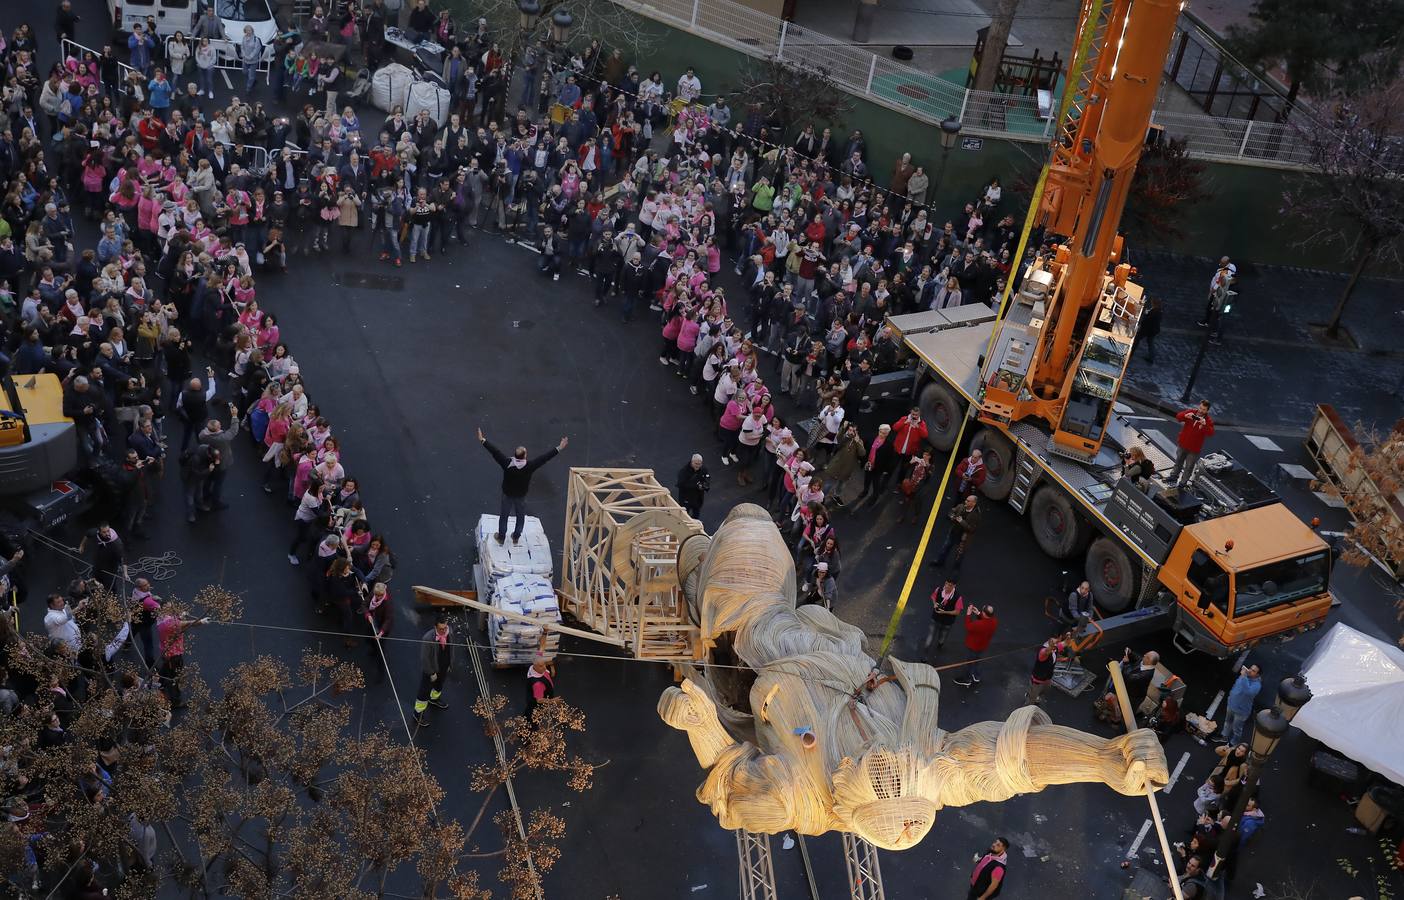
{"points": [[952, 347]]}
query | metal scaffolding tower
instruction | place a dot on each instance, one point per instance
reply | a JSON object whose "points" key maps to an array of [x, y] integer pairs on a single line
{"points": [[864, 871], [757, 866]]}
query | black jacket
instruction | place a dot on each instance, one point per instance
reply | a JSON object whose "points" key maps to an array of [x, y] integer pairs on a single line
{"points": [[516, 481], [693, 484]]}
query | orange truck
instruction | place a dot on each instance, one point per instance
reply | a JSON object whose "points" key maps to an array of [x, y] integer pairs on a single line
{"points": [[1222, 563]]}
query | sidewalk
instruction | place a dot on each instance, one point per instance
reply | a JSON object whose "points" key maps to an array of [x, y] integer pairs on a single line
{"points": [[1271, 369]]}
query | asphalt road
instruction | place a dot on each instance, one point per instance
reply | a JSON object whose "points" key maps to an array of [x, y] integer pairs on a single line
{"points": [[408, 367]]}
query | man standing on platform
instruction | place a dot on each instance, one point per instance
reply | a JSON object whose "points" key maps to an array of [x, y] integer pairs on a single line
{"points": [[516, 479]]}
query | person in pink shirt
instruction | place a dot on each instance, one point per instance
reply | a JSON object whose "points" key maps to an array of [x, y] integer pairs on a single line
{"points": [[171, 630], [737, 408], [145, 607]]}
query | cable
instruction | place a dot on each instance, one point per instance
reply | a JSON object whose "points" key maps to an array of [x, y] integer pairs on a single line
{"points": [[470, 645]]}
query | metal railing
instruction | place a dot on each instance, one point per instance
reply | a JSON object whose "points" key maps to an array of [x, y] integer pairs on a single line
{"points": [[1222, 86], [929, 98]]}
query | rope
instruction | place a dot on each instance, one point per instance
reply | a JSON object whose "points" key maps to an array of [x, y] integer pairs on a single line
{"points": [[1079, 60], [153, 568], [400, 708]]}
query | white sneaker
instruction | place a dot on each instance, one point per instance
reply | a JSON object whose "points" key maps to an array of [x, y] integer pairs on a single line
{"points": [[556, 277], [735, 458], [726, 460], [662, 360], [292, 558]]}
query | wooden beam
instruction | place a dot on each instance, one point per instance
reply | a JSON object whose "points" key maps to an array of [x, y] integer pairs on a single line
{"points": [[518, 617]]}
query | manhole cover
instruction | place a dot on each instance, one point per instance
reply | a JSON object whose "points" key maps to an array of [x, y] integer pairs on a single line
{"points": [[370, 281], [523, 323], [913, 91]]}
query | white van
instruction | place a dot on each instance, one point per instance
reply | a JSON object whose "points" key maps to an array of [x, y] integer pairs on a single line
{"points": [[257, 14], [170, 15]]}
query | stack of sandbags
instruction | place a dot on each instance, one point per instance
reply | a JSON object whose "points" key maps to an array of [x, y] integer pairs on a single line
{"points": [[529, 555], [516, 577], [515, 642]]}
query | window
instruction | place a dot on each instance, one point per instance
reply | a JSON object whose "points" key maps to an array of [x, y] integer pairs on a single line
{"points": [[1211, 579], [175, 4], [1276, 583], [243, 10]]}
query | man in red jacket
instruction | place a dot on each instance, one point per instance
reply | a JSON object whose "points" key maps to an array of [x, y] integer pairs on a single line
{"points": [[980, 625], [970, 474], [1195, 428], [908, 434]]}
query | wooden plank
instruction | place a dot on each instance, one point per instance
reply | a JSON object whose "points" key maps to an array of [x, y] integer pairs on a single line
{"points": [[439, 601], [454, 599]]}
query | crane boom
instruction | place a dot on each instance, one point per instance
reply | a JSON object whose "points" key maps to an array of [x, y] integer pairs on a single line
{"points": [[1063, 361]]}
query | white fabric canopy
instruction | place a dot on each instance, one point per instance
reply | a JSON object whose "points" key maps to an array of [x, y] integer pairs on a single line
{"points": [[1357, 702]]}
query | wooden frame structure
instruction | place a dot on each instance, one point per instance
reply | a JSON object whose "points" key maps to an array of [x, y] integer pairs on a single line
{"points": [[619, 575]]}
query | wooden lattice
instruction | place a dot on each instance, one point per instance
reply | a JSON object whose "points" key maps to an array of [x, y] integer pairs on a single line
{"points": [[623, 530]]}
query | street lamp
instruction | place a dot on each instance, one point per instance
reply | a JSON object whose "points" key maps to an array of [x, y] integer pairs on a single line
{"points": [[560, 26], [950, 135], [1269, 727], [1292, 695], [528, 11]]}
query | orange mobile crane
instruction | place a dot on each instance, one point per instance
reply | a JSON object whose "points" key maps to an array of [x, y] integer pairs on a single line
{"points": [[1223, 563]]}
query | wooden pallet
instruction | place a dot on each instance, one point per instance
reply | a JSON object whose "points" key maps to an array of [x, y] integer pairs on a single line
{"points": [[1334, 450], [623, 531]]}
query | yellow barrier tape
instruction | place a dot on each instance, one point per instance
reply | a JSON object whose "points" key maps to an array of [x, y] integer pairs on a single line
{"points": [[1079, 61]]}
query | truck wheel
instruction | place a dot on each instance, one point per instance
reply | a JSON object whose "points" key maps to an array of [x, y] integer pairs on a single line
{"points": [[942, 411], [1114, 576], [998, 454], [1057, 527]]}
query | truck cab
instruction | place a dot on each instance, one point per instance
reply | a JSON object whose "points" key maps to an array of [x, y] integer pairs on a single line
{"points": [[1245, 576]]}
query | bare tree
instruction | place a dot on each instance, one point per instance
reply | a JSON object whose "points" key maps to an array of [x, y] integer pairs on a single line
{"points": [[1167, 181], [996, 41], [789, 96], [1352, 196], [260, 788]]}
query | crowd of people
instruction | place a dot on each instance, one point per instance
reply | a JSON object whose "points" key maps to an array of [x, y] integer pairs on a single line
{"points": [[154, 328]]}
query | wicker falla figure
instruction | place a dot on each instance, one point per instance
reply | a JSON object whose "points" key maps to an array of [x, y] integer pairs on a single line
{"points": [[822, 739]]}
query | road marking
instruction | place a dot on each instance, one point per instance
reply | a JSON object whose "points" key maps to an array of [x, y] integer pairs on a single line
{"points": [[1175, 775], [1140, 836], [1263, 443]]}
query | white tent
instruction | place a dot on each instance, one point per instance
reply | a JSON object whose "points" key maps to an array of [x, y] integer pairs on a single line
{"points": [[1357, 699]]}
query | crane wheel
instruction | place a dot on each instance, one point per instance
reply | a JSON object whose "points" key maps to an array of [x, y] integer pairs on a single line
{"points": [[1114, 576], [1057, 527], [998, 454], [942, 410]]}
